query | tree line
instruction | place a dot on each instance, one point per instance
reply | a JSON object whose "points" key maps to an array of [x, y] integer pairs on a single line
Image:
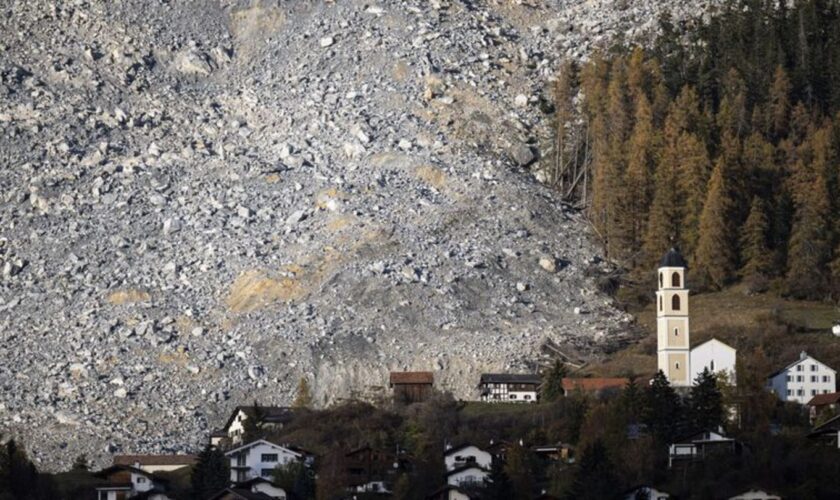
{"points": [[722, 139]]}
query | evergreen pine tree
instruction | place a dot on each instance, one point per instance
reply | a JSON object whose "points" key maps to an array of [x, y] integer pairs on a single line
{"points": [[779, 104], [497, 486], [732, 113], [81, 463], [210, 474], [694, 170], [809, 248], [755, 254], [638, 192], [595, 477], [303, 398], [552, 386], [632, 402], [705, 402], [518, 466], [252, 425], [715, 258], [663, 409]]}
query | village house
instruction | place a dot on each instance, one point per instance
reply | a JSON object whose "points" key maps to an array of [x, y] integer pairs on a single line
{"points": [[122, 482], [267, 417], [755, 494], [646, 492], [593, 386], [371, 470], [156, 463], [803, 379], [823, 404], [509, 387], [259, 459], [412, 387], [676, 359], [255, 489], [827, 433], [560, 452], [699, 446], [467, 465]]}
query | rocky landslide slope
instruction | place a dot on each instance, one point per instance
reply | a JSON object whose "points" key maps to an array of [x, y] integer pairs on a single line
{"points": [[202, 202]]}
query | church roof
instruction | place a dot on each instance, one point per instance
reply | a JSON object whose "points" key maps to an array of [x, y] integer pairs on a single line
{"points": [[673, 259]]}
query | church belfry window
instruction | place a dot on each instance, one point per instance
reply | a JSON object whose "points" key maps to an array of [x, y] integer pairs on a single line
{"points": [[675, 280], [675, 302]]}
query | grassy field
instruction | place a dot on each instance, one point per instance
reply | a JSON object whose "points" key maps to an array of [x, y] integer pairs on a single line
{"points": [[738, 319]]}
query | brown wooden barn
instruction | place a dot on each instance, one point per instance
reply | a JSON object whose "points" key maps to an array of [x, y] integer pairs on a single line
{"points": [[412, 387]]}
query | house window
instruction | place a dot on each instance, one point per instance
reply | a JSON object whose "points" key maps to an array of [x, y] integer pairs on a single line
{"points": [[267, 472], [825, 378], [675, 280], [675, 302], [825, 391], [789, 392], [813, 368], [814, 378], [513, 396], [528, 397], [789, 378], [813, 392], [269, 457], [799, 368], [496, 396], [799, 378], [800, 392], [141, 479]]}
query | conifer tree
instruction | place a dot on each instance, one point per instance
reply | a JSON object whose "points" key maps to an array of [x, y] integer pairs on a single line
{"points": [[809, 248], [663, 409], [715, 259], [211, 473], [694, 170], [663, 225], [638, 185], [497, 485], [552, 387], [705, 403], [595, 477], [518, 467], [732, 113], [779, 104], [755, 253]]}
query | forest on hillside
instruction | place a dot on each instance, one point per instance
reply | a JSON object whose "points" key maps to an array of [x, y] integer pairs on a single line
{"points": [[722, 139]]}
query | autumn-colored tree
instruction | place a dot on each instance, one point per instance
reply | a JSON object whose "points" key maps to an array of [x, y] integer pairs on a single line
{"points": [[810, 246], [303, 398], [755, 253], [638, 182], [715, 260], [694, 170], [732, 113], [779, 104]]}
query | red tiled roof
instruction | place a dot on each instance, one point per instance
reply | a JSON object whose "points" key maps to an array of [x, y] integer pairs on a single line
{"points": [[412, 378], [154, 459], [594, 384], [825, 399]]}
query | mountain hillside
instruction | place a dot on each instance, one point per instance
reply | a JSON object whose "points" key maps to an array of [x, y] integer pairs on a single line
{"points": [[202, 202]]}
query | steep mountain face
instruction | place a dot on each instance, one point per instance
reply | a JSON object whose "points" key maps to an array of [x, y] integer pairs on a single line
{"points": [[203, 202]]}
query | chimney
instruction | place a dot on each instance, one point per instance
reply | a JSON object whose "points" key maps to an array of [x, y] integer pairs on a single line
{"points": [[803, 355]]}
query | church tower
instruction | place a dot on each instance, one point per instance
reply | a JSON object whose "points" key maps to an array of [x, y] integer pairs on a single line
{"points": [[672, 342]]}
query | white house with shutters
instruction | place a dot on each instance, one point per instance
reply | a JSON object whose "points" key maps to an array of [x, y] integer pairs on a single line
{"points": [[803, 379], [258, 459], [467, 465]]}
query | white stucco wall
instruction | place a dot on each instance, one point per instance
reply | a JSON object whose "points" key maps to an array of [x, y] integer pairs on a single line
{"points": [[461, 457], [252, 457], [467, 476], [270, 490], [716, 356], [803, 380]]}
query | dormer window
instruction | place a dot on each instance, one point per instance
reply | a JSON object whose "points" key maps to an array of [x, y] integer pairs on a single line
{"points": [[675, 280]]}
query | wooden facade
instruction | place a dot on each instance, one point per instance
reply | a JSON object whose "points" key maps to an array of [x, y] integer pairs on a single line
{"points": [[412, 387]]}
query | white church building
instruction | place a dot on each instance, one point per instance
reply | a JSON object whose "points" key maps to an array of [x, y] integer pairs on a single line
{"points": [[680, 363]]}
